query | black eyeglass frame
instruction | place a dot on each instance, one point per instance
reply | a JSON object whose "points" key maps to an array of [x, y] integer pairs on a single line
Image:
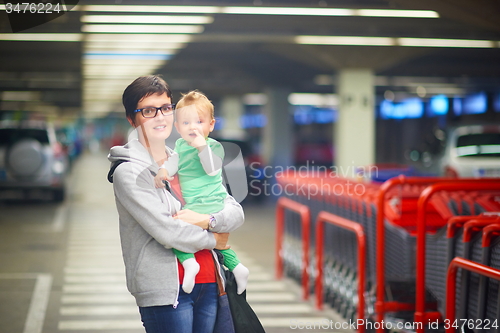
{"points": [[171, 112]]}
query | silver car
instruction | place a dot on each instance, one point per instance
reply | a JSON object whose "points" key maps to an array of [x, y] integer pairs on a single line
{"points": [[472, 151], [33, 164]]}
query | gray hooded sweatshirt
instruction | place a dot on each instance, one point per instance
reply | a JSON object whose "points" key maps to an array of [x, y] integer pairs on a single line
{"points": [[148, 231]]}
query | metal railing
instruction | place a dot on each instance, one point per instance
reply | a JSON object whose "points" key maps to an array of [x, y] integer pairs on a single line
{"points": [[305, 218], [451, 279], [420, 315], [325, 217]]}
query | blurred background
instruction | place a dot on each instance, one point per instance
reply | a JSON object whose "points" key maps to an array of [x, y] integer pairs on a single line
{"points": [[407, 87], [278, 72]]}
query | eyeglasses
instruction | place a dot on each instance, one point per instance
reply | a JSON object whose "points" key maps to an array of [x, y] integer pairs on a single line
{"points": [[152, 111]]}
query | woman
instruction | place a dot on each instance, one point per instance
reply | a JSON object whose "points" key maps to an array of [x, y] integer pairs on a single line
{"points": [[148, 229]]}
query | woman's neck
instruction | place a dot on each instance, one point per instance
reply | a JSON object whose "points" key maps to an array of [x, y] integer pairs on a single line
{"points": [[157, 151]]}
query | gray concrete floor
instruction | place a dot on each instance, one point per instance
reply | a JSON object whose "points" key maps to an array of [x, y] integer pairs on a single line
{"points": [[61, 268]]}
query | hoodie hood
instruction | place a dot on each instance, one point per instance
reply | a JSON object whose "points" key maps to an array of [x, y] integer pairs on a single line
{"points": [[133, 151], [136, 153]]}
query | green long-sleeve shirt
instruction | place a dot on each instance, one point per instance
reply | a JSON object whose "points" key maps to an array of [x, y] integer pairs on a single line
{"points": [[200, 176]]}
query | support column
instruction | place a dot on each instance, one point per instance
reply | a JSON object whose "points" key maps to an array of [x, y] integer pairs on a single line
{"points": [[277, 141], [355, 127], [232, 109]]}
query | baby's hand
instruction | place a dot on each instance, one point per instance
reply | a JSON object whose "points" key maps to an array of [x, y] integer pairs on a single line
{"points": [[199, 141], [161, 176]]}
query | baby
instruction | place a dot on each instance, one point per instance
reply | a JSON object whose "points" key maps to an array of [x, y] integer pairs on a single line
{"points": [[200, 177]]}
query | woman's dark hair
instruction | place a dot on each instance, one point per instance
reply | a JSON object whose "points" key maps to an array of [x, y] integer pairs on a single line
{"points": [[143, 87]]}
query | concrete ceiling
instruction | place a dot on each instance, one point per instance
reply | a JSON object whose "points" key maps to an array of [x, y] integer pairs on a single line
{"points": [[237, 54]]}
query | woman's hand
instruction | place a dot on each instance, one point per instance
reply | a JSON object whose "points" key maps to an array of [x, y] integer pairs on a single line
{"points": [[221, 241], [187, 215]]}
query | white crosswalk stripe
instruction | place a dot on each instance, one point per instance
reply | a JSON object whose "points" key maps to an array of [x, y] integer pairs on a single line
{"points": [[95, 298]]}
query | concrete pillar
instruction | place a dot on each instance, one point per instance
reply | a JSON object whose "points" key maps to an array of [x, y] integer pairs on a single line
{"points": [[277, 140], [355, 127], [232, 109]]}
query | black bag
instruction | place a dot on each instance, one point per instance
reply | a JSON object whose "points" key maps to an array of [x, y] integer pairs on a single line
{"points": [[244, 318], [224, 321]]}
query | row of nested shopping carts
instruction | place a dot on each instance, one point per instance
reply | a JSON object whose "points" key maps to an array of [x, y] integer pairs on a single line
{"points": [[411, 254]]}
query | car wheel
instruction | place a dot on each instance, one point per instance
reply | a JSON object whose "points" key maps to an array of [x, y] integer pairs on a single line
{"points": [[25, 157]]}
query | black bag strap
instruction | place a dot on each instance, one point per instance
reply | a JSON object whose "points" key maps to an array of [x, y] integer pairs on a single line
{"points": [[114, 165]]}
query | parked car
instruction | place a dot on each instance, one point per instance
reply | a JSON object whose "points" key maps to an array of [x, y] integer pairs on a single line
{"points": [[32, 162], [472, 151]]}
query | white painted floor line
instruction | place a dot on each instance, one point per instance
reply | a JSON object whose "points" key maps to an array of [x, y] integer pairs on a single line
{"points": [[93, 240], [95, 257], [98, 299], [89, 241], [102, 288], [82, 325], [111, 310], [38, 305], [95, 249], [60, 218], [270, 297], [102, 246], [96, 245], [93, 252], [93, 233], [270, 285], [259, 276], [95, 263], [95, 278], [39, 299], [262, 309], [254, 269], [94, 226], [94, 270]]}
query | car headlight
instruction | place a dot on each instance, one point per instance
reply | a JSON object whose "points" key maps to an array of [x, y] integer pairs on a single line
{"points": [[58, 167]]}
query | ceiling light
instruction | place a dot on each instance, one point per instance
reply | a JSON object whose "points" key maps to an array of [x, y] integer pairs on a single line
{"points": [[255, 99], [96, 70], [170, 47], [152, 9], [121, 62], [112, 72], [396, 13], [304, 11], [115, 55], [299, 11], [149, 29], [138, 38], [388, 41], [289, 11], [345, 40], [438, 42], [313, 99], [444, 90], [147, 19], [45, 37], [116, 76]]}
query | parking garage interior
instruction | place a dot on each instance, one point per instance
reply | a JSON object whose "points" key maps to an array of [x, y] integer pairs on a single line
{"points": [[298, 86]]}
